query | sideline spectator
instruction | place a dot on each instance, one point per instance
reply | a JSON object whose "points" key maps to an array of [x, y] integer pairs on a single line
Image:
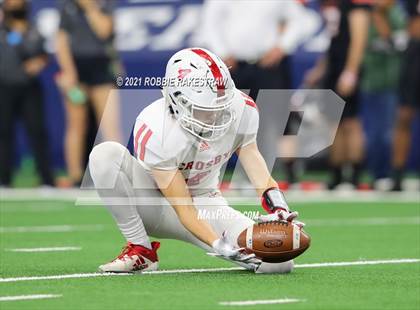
{"points": [[22, 58], [409, 95], [379, 83], [88, 64], [348, 24], [255, 39]]}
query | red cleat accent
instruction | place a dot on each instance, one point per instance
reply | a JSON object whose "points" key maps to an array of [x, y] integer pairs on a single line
{"points": [[134, 258], [133, 249]]}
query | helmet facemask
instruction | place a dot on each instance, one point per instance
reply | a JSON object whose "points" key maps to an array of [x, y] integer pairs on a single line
{"points": [[206, 122]]}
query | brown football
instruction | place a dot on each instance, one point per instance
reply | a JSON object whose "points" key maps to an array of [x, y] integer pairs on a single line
{"points": [[274, 242]]}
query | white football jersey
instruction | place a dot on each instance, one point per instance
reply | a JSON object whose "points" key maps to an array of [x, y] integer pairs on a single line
{"points": [[161, 143]]}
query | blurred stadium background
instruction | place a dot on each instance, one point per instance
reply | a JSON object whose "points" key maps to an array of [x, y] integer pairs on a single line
{"points": [[146, 34]]}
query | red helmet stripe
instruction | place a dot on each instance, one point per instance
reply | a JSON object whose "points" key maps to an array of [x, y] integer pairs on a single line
{"points": [[215, 70]]}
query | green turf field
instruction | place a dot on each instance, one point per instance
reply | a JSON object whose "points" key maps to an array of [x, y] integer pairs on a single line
{"points": [[341, 232]]}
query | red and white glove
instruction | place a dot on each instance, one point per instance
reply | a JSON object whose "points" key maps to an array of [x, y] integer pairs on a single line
{"points": [[275, 204]]}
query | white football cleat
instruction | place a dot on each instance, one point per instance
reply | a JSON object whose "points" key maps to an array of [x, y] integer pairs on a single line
{"points": [[134, 259]]}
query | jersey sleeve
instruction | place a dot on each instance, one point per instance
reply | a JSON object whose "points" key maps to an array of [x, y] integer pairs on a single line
{"points": [[149, 149], [248, 127]]}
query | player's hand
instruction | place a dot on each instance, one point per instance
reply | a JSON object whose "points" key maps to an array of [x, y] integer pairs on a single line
{"points": [[281, 215], [346, 83], [231, 63], [272, 57], [66, 80], [34, 66], [313, 77], [275, 204], [224, 250]]}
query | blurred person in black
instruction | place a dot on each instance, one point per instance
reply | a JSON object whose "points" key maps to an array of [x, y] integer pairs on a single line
{"points": [[88, 64], [255, 40], [22, 58], [379, 85], [409, 94], [348, 23]]}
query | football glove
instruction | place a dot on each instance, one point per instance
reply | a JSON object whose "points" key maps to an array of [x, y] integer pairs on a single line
{"points": [[226, 251], [275, 204]]}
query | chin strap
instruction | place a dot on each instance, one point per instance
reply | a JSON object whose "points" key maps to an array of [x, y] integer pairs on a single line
{"points": [[273, 199]]}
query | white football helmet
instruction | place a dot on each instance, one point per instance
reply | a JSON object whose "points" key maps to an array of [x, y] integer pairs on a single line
{"points": [[200, 90]]}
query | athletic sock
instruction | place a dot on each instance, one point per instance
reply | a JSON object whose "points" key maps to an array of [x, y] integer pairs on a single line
{"points": [[135, 232], [120, 200], [125, 213]]}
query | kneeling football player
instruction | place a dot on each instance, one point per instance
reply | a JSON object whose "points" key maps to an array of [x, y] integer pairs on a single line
{"points": [[181, 141]]}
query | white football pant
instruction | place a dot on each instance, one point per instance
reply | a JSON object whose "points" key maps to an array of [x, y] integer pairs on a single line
{"points": [[139, 208]]}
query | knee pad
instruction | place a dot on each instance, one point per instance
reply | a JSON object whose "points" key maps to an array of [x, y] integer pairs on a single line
{"points": [[283, 268]]}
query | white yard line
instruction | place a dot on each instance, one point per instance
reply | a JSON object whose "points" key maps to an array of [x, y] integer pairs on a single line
{"points": [[28, 297], [408, 220], [51, 229], [177, 271], [17, 208], [51, 249], [193, 270], [259, 302], [64, 276], [360, 263], [292, 197], [90, 197]]}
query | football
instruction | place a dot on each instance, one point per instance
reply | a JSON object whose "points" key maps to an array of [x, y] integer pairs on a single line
{"points": [[274, 242]]}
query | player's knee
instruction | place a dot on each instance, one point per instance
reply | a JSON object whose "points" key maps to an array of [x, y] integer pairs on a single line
{"points": [[286, 267], [104, 158]]}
